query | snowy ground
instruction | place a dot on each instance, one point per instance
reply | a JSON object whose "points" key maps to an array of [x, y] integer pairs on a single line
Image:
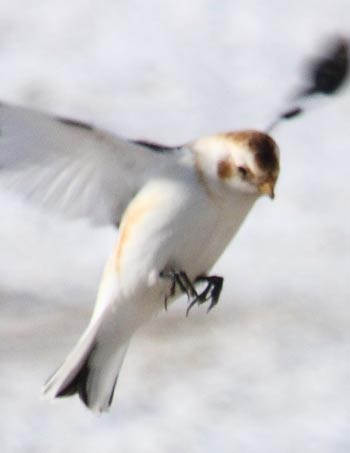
{"points": [[268, 371]]}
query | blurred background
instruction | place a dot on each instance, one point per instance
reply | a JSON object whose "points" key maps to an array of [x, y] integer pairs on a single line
{"points": [[268, 370]]}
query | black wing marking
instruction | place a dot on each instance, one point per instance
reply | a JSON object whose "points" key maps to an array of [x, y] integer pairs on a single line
{"points": [[158, 148], [328, 73], [74, 123], [324, 75]]}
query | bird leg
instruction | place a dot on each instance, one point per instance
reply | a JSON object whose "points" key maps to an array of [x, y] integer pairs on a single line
{"points": [[179, 278], [211, 292]]}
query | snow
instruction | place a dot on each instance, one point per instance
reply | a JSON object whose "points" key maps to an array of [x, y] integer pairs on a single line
{"points": [[268, 370]]}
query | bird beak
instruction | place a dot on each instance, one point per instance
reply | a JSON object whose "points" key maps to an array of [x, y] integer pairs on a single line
{"points": [[267, 188]]}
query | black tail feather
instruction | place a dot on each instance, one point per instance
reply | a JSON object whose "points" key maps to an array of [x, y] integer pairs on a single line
{"points": [[79, 382], [78, 385]]}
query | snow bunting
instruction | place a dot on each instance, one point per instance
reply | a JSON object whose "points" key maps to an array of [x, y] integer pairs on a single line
{"points": [[176, 210], [189, 207]]}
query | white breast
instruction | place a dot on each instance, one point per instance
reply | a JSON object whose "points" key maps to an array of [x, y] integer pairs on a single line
{"points": [[182, 227], [206, 231]]}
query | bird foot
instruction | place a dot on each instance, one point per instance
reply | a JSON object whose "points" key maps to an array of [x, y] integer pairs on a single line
{"points": [[210, 293], [180, 279]]}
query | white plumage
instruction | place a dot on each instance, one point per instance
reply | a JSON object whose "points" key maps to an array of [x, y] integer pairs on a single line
{"points": [[176, 209]]}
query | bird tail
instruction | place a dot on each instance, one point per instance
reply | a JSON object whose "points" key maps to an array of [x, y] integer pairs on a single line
{"points": [[91, 370]]}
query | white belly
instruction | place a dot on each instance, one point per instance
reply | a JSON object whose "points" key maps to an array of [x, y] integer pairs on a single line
{"points": [[201, 242], [182, 230]]}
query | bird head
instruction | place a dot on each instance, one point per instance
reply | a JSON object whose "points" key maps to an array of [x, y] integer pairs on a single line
{"points": [[246, 161]]}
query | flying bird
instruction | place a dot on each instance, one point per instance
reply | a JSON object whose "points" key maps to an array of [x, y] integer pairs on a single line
{"points": [[176, 210]]}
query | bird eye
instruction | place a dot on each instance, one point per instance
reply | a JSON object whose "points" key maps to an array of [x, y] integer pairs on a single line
{"points": [[243, 172]]}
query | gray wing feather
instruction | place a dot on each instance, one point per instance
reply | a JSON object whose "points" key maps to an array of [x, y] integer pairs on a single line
{"points": [[70, 167]]}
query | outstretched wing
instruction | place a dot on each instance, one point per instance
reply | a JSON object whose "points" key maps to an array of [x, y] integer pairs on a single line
{"points": [[70, 167]]}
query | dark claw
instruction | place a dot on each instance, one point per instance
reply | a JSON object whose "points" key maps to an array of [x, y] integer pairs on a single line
{"points": [[171, 294], [217, 283], [190, 289], [181, 279], [211, 292]]}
